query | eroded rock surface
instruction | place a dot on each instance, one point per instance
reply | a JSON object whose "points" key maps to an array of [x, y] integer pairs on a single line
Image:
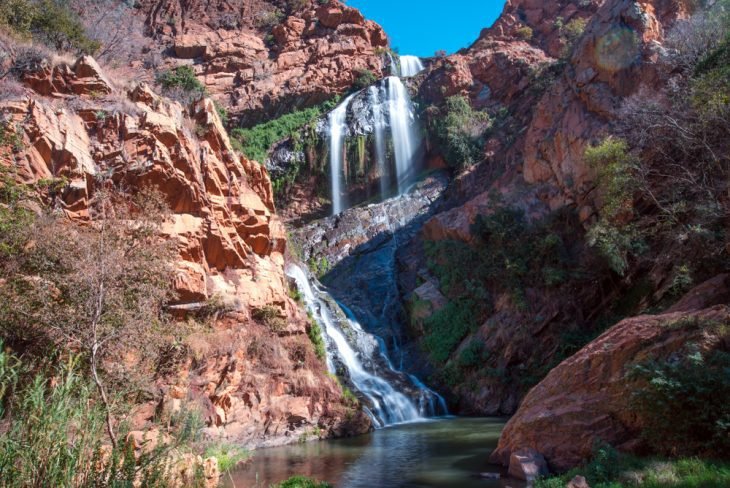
{"points": [[259, 385], [587, 398]]}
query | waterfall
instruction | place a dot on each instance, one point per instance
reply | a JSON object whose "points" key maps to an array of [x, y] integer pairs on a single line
{"points": [[379, 126], [337, 129], [406, 140], [367, 365], [393, 115], [394, 68], [410, 66]]}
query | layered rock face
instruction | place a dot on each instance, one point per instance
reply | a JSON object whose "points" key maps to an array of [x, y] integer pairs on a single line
{"points": [[257, 384], [587, 398], [262, 59]]}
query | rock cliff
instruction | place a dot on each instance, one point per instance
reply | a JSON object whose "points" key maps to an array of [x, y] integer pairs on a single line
{"points": [[258, 384], [261, 59]]}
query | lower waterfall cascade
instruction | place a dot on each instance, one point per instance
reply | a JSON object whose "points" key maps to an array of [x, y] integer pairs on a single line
{"points": [[392, 397]]}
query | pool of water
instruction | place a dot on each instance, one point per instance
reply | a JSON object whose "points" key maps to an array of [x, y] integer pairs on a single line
{"points": [[443, 453]]}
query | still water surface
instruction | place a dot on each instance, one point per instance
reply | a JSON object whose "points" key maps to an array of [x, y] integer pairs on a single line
{"points": [[443, 453]]}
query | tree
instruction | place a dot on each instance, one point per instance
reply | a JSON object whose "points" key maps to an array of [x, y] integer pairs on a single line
{"points": [[97, 289]]}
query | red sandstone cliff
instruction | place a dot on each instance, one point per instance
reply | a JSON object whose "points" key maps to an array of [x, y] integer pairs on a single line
{"points": [[257, 385], [265, 58]]}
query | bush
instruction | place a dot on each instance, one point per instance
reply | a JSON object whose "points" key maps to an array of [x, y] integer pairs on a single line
{"points": [[315, 335], [57, 26], [458, 131], [525, 33], [684, 404], [181, 83], [228, 456], [364, 78], [445, 329], [271, 317]]}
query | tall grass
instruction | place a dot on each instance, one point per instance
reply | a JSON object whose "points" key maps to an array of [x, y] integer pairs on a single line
{"points": [[54, 435]]}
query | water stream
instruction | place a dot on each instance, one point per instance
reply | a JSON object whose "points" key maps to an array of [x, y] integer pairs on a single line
{"points": [[390, 396], [410, 66], [447, 453]]}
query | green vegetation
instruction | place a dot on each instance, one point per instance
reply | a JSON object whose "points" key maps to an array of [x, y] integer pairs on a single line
{"points": [[612, 235], [255, 142], [182, 84], [54, 433], [509, 254], [302, 482], [364, 79], [458, 130], [445, 329], [525, 33], [610, 469], [315, 335], [684, 404], [271, 317], [319, 267], [51, 22], [228, 456]]}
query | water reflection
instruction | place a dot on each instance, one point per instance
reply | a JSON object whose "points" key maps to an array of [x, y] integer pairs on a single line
{"points": [[440, 453]]}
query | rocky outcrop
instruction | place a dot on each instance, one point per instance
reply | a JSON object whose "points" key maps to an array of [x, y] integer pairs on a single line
{"points": [[586, 399], [358, 254], [312, 53], [258, 381]]}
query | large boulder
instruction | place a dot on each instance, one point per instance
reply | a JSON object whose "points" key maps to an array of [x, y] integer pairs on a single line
{"points": [[587, 398]]}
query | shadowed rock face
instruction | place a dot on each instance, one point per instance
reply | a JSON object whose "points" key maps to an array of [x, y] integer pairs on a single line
{"points": [[361, 247], [587, 397], [257, 386], [314, 52]]}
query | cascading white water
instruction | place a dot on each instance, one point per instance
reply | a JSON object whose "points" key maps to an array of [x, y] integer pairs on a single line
{"points": [[394, 67], [389, 406], [379, 126], [410, 66], [406, 139], [337, 127]]}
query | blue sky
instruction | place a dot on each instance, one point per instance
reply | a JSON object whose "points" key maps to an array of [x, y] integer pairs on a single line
{"points": [[422, 27]]}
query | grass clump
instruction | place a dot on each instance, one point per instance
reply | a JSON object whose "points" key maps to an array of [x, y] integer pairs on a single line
{"points": [[271, 317], [228, 456], [611, 469], [302, 482]]}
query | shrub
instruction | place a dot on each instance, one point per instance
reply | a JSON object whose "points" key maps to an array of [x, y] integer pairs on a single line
{"points": [[315, 335], [363, 79], [458, 131], [684, 405], [181, 80], [56, 25], [525, 33], [616, 170], [271, 317], [446, 328]]}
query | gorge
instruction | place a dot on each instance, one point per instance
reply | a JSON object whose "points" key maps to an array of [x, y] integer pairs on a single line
{"points": [[244, 241]]}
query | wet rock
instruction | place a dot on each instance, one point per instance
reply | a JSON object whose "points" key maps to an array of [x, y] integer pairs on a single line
{"points": [[527, 464]]}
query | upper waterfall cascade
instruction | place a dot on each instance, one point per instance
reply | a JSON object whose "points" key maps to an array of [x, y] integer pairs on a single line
{"points": [[385, 111], [392, 396], [410, 66]]}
